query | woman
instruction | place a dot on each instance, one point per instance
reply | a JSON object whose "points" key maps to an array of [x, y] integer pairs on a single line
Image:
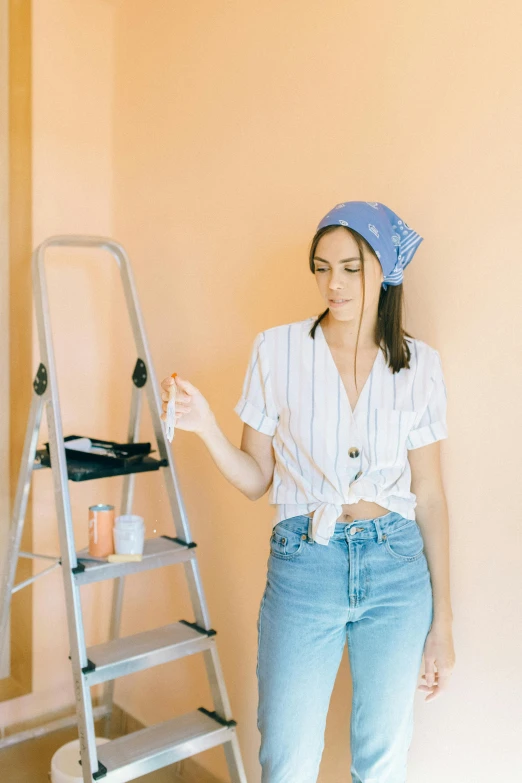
{"points": [[343, 415]]}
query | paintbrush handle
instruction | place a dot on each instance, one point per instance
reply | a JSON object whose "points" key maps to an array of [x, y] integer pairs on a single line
{"points": [[171, 411]]}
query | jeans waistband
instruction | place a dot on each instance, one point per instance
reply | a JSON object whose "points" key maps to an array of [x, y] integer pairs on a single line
{"points": [[364, 528]]}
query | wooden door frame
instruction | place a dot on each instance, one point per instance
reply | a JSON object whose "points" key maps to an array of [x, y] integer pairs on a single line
{"points": [[16, 308]]}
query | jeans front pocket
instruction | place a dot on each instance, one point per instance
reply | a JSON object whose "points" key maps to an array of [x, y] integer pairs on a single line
{"points": [[287, 543], [405, 543]]}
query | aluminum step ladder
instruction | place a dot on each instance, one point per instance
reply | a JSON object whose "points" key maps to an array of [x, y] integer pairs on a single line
{"points": [[154, 747]]}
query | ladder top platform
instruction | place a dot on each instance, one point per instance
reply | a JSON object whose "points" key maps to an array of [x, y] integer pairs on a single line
{"points": [[84, 471]]}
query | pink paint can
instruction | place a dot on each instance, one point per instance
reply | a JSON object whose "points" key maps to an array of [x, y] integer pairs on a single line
{"points": [[101, 523]]}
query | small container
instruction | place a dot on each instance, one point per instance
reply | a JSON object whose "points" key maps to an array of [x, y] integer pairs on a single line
{"points": [[129, 534], [101, 523]]}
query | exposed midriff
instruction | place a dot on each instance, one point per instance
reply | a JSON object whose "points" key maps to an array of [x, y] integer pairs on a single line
{"points": [[363, 509]]}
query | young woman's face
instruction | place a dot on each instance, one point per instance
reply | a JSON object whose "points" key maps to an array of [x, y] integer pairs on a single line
{"points": [[338, 272]]}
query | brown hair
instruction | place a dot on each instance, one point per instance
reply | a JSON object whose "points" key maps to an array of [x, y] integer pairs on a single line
{"points": [[389, 333]]}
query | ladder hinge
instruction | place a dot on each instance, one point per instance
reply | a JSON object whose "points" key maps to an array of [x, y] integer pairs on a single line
{"points": [[40, 381], [217, 717], [206, 631], [139, 376], [86, 669], [89, 668], [188, 544], [102, 771], [79, 569]]}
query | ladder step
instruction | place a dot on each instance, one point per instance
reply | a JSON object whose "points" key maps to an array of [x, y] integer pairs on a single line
{"points": [[154, 747], [131, 654], [157, 552]]}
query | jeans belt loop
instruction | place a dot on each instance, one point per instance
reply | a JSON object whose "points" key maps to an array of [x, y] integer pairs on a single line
{"points": [[310, 539], [378, 529]]}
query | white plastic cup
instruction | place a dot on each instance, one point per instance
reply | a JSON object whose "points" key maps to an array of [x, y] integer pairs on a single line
{"points": [[129, 520], [129, 534]]}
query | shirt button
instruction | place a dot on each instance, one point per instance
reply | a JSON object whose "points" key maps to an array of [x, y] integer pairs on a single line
{"points": [[353, 452], [358, 475]]}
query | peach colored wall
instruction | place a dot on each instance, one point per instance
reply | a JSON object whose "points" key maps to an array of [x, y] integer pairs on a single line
{"points": [[236, 127], [72, 192]]}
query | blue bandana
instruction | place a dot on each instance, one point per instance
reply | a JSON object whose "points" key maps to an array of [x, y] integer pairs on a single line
{"points": [[392, 240]]}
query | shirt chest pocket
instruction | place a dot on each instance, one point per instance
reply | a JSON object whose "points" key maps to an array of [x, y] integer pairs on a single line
{"points": [[388, 431]]}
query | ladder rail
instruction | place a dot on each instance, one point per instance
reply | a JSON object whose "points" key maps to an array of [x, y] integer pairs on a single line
{"points": [[60, 476], [10, 563], [127, 496]]}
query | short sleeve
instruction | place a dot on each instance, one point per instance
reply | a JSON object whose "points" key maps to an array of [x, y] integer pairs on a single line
{"points": [[256, 406], [432, 423]]}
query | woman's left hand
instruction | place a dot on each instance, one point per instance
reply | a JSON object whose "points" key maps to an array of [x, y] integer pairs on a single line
{"points": [[438, 651]]}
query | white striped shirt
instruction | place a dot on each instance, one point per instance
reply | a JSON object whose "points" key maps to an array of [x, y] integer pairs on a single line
{"points": [[294, 392]]}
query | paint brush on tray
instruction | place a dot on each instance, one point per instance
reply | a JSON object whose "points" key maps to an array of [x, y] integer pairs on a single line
{"points": [[171, 410]]}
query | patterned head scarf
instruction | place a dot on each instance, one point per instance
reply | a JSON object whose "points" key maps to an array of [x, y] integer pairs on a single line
{"points": [[392, 240]]}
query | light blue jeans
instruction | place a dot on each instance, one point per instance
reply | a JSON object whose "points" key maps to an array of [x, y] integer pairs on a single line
{"points": [[370, 585]]}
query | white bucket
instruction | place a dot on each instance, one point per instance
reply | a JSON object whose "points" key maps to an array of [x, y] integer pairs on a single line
{"points": [[65, 764]]}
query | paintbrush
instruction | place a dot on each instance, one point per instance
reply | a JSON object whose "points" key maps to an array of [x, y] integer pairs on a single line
{"points": [[171, 410]]}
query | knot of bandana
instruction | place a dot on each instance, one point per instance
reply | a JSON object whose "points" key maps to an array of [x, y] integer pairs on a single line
{"points": [[390, 237]]}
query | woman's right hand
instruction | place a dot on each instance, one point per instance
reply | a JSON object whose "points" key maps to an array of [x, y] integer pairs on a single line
{"points": [[193, 412]]}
